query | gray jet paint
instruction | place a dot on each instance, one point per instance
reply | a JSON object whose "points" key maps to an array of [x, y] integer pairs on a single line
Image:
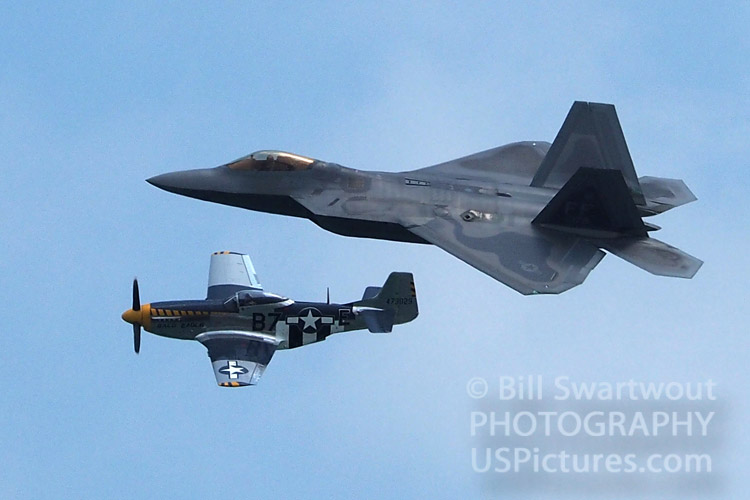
{"points": [[532, 215]]}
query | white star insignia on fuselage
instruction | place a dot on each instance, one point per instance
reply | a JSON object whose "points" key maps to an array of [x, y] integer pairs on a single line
{"points": [[310, 320]]}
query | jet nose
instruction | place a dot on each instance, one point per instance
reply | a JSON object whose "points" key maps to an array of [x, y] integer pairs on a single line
{"points": [[187, 182]]}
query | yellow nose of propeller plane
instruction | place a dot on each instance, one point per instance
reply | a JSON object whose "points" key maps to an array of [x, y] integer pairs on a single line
{"points": [[132, 316], [141, 317]]}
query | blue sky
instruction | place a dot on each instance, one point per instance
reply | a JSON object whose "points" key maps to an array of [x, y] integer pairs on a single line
{"points": [[95, 98]]}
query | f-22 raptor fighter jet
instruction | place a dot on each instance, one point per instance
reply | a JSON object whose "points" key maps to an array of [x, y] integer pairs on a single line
{"points": [[532, 215], [242, 325]]}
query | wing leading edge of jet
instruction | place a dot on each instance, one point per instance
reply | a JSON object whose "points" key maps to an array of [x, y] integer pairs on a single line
{"points": [[515, 163]]}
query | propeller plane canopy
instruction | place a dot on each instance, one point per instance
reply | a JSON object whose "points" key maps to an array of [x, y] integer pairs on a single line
{"points": [[242, 326]]}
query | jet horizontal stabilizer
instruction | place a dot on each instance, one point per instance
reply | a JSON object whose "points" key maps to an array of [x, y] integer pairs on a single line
{"points": [[664, 194], [654, 256], [532, 215]]}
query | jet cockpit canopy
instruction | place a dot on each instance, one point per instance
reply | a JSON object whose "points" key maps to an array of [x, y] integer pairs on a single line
{"points": [[272, 161]]}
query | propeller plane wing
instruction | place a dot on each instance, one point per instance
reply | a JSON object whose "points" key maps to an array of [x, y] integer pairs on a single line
{"points": [[242, 326]]}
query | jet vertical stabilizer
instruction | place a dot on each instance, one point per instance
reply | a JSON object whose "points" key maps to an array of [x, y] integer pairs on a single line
{"points": [[601, 199], [593, 203], [590, 137], [532, 215]]}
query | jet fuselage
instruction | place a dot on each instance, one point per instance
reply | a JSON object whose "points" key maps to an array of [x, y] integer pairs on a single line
{"points": [[357, 203], [533, 215]]}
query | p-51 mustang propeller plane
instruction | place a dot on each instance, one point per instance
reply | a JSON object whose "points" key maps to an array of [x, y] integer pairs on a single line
{"points": [[242, 326], [532, 215]]}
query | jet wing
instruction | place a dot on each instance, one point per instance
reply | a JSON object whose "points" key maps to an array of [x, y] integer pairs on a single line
{"points": [[515, 163], [238, 358], [528, 259], [229, 273]]}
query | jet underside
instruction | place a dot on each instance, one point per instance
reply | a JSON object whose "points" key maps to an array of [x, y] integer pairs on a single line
{"points": [[533, 215]]}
